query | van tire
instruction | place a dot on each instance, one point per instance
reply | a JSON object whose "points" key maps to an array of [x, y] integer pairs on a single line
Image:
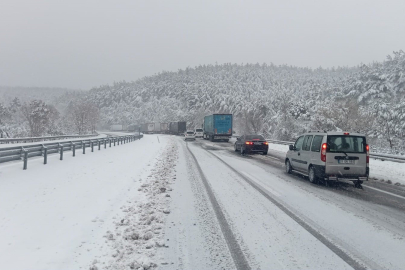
{"points": [[312, 175], [288, 168]]}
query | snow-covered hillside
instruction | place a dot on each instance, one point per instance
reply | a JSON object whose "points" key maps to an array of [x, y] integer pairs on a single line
{"points": [[278, 101]]}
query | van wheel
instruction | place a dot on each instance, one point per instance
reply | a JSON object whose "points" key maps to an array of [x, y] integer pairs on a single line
{"points": [[288, 168], [312, 176]]}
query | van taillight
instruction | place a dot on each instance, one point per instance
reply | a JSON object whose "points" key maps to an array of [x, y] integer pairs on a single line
{"points": [[323, 152], [368, 154]]}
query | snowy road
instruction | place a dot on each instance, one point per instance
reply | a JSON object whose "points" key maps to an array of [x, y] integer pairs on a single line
{"points": [[163, 203]]}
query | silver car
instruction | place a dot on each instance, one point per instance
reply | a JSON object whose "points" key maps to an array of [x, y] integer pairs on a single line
{"points": [[330, 156]]}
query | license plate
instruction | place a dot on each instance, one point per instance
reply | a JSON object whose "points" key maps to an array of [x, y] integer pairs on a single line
{"points": [[346, 161], [257, 143]]}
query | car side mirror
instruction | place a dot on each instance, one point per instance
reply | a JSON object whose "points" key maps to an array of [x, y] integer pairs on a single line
{"points": [[291, 147]]}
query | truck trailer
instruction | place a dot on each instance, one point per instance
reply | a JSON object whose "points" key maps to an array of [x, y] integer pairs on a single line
{"points": [[164, 128], [217, 127], [151, 128], [116, 128], [177, 128]]}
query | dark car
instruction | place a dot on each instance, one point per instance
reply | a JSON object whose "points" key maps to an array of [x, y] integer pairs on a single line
{"points": [[251, 144]]}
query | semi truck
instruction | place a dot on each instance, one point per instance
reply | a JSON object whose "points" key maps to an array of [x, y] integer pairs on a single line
{"points": [[151, 128], [116, 128], [164, 128], [157, 128], [217, 127], [177, 128]]}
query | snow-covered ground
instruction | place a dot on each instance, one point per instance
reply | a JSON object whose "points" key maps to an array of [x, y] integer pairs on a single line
{"points": [[77, 212], [381, 170], [145, 205]]}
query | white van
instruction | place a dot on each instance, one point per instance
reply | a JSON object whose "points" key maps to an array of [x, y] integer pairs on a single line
{"points": [[330, 156], [198, 133]]}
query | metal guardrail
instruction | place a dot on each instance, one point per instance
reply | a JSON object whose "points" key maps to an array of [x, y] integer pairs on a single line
{"points": [[48, 138], [23, 153], [373, 155]]}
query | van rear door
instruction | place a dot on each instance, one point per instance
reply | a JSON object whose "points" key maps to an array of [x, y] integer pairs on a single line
{"points": [[346, 155]]}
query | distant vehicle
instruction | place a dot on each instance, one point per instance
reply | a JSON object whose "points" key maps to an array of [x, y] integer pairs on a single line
{"points": [[151, 128], [251, 144], [217, 127], [189, 135], [330, 156], [199, 132], [164, 128], [144, 128], [133, 128], [116, 128], [177, 128], [157, 128]]}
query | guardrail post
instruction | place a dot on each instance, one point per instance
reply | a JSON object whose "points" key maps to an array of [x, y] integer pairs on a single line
{"points": [[98, 141], [61, 151], [25, 158], [45, 154], [74, 149], [109, 140], [92, 146], [84, 147], [114, 141]]}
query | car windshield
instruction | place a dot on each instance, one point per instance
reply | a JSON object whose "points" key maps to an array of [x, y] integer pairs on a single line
{"points": [[255, 137], [190, 132], [198, 130], [346, 144]]}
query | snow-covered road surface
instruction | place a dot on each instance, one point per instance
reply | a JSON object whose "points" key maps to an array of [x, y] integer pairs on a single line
{"points": [[151, 204]]}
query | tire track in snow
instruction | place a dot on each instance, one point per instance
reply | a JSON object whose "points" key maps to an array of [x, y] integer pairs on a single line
{"points": [[334, 248], [234, 248]]}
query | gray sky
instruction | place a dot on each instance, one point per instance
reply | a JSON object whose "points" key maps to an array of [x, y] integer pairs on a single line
{"points": [[82, 44]]}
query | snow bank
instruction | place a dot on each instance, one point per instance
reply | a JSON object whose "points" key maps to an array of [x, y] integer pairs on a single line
{"points": [[138, 231]]}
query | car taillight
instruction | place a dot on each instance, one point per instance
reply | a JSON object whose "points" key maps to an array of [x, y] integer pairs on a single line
{"points": [[266, 143], [368, 154], [248, 143], [323, 152]]}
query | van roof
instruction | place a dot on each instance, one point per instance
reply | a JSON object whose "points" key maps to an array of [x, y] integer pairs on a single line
{"points": [[320, 132]]}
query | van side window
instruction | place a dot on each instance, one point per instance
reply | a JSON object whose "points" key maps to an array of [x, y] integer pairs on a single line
{"points": [[316, 144], [298, 143], [307, 143]]}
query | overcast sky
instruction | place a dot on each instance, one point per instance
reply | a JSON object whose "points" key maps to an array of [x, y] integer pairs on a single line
{"points": [[82, 44]]}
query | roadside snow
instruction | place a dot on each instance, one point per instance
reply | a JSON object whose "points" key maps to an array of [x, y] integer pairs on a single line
{"points": [[55, 216], [138, 227]]}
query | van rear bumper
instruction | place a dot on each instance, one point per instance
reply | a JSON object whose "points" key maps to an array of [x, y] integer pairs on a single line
{"points": [[320, 172]]}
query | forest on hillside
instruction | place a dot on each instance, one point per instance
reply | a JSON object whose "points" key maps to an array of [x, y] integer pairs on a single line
{"points": [[277, 101]]}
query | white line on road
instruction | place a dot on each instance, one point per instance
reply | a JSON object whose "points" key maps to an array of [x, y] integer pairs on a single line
{"points": [[380, 190]]}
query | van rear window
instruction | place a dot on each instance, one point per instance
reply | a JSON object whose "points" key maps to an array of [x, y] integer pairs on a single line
{"points": [[347, 144]]}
